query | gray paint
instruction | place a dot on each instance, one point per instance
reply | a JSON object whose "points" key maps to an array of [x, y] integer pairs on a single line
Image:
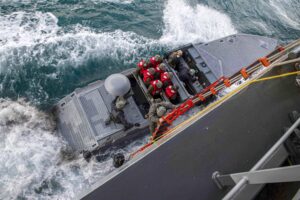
{"points": [[231, 138]]}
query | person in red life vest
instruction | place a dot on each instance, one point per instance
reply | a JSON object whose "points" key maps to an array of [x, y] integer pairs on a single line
{"points": [[159, 69], [155, 87], [171, 92], [142, 66], [148, 75], [155, 60], [165, 78]]}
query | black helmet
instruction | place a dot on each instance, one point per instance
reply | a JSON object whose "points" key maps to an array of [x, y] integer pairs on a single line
{"points": [[118, 160]]}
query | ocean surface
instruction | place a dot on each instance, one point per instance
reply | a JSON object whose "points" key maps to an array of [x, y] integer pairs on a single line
{"points": [[50, 47]]}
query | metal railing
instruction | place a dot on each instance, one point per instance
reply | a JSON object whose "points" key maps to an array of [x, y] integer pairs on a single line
{"points": [[241, 180]]}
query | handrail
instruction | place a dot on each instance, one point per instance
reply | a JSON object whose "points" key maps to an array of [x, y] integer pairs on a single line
{"points": [[239, 186]]}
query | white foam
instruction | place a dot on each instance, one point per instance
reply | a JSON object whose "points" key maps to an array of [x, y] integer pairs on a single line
{"points": [[37, 38], [184, 23], [56, 1], [31, 165], [113, 1], [27, 37]]}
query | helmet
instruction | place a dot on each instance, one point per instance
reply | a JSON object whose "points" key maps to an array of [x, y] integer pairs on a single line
{"points": [[160, 111], [121, 102], [162, 66], [151, 71], [175, 87], [192, 72], [158, 58], [159, 84], [170, 75], [179, 53]]}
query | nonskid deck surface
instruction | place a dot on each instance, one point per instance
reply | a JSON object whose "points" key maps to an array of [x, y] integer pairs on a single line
{"points": [[231, 138]]}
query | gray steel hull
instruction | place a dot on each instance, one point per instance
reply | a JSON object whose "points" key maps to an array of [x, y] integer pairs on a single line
{"points": [[231, 138]]}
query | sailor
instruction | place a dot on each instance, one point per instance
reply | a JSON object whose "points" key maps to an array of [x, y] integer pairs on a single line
{"points": [[117, 114], [155, 87], [159, 69], [148, 75], [156, 111], [142, 66], [171, 92], [174, 59], [187, 76], [165, 78], [155, 60]]}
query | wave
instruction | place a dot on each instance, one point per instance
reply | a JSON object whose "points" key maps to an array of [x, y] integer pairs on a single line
{"points": [[113, 1], [37, 38], [283, 10], [185, 23], [33, 159]]}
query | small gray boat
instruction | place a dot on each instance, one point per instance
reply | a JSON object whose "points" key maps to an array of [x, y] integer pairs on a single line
{"points": [[81, 115]]}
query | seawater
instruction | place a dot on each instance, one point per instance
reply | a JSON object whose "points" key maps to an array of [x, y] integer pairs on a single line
{"points": [[49, 48]]}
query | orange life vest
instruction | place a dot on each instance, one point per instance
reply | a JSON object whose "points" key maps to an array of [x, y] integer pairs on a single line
{"points": [[165, 79], [154, 62], [155, 90], [142, 65], [170, 93], [158, 71], [147, 76]]}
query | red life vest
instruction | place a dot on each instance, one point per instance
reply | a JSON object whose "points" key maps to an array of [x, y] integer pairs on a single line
{"points": [[147, 76], [142, 65], [164, 78], [153, 61], [170, 93], [158, 71], [155, 90]]}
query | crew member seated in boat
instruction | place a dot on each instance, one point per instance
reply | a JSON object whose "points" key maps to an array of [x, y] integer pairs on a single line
{"points": [[171, 92], [174, 59], [156, 111], [117, 114], [148, 75], [159, 69], [187, 76], [155, 88], [165, 78], [155, 60], [141, 67]]}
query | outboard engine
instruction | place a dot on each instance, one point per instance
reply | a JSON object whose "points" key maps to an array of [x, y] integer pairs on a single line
{"points": [[117, 84]]}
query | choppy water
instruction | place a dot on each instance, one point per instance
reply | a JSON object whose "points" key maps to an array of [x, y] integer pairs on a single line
{"points": [[48, 48]]}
